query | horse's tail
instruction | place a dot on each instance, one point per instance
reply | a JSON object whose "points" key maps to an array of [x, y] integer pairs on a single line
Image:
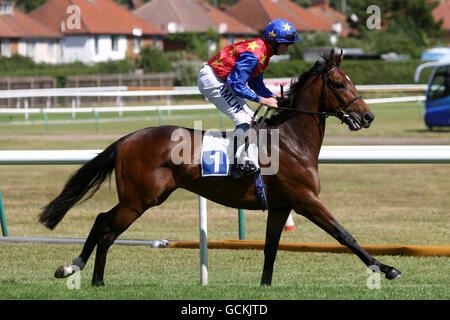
{"points": [[88, 178]]}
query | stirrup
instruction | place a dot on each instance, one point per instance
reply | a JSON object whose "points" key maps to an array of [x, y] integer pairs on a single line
{"points": [[239, 171]]}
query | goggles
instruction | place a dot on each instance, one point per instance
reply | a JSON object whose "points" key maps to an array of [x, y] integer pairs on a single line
{"points": [[292, 37]]}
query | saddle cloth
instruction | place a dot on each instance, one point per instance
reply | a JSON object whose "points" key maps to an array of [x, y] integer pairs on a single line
{"points": [[216, 157]]}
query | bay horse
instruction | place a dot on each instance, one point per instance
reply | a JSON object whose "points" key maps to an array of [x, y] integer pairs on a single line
{"points": [[146, 175]]}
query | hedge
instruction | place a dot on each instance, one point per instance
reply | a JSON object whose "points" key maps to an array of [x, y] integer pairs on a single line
{"points": [[360, 71]]}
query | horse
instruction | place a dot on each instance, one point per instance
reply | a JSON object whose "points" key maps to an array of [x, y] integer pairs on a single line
{"points": [[145, 174]]}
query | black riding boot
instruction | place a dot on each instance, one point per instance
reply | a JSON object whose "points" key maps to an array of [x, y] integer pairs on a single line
{"points": [[239, 170]]}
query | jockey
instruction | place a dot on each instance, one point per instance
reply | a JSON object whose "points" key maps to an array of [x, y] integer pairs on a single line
{"points": [[223, 81]]}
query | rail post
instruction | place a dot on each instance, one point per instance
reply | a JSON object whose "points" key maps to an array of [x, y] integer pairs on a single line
{"points": [[203, 223], [241, 224], [47, 128], [96, 120], [2, 216]]}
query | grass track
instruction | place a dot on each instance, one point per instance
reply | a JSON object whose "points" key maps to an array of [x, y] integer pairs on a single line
{"points": [[378, 204], [173, 274]]}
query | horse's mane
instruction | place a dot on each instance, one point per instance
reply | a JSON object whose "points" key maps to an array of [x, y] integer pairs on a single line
{"points": [[288, 101]]}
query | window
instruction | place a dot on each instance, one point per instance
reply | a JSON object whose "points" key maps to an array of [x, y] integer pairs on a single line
{"points": [[51, 48], [97, 44], [5, 48], [440, 86], [6, 8], [114, 43], [31, 49], [137, 42]]}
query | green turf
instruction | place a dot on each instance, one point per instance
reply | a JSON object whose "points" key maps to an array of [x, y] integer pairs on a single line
{"points": [[144, 273], [378, 204]]}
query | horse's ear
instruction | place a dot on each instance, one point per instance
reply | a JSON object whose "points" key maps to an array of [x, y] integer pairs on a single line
{"points": [[331, 58], [340, 58]]}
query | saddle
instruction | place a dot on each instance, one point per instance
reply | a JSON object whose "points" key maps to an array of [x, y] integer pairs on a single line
{"points": [[216, 159]]}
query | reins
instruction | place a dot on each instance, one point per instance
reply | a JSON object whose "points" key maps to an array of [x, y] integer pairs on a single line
{"points": [[340, 114]]}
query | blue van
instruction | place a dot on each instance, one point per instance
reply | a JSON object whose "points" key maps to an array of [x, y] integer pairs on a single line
{"points": [[437, 103]]}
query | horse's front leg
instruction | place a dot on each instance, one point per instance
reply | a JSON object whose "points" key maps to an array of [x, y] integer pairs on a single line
{"points": [[315, 210], [276, 219]]}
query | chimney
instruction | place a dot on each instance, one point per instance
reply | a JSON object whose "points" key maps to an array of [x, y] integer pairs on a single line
{"points": [[134, 4], [323, 4], [7, 7]]}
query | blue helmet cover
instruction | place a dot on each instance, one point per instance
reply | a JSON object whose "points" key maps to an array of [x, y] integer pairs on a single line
{"points": [[281, 31]]}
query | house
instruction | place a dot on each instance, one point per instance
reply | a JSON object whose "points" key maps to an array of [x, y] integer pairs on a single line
{"points": [[442, 12], [20, 34], [178, 16], [96, 30], [321, 9], [264, 11]]}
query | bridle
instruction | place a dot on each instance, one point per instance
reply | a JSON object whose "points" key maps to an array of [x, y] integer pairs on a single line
{"points": [[340, 114], [326, 86]]}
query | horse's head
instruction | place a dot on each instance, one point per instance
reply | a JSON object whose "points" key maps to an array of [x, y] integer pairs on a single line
{"points": [[341, 96]]}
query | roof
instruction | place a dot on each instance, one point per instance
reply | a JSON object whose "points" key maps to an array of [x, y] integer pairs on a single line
{"points": [[191, 15], [97, 17], [19, 25], [442, 11], [264, 11], [331, 16]]}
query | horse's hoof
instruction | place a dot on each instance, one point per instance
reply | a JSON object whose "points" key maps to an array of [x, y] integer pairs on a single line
{"points": [[59, 273], [98, 283], [393, 273]]}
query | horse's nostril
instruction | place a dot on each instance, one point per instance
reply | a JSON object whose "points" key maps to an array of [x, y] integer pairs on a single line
{"points": [[369, 116]]}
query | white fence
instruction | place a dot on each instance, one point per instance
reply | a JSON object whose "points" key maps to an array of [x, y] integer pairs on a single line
{"points": [[121, 92], [328, 154]]}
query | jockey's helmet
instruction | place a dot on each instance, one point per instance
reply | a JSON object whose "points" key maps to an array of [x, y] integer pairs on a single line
{"points": [[281, 31]]}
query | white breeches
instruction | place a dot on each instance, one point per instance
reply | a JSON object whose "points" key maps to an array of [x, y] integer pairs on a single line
{"points": [[223, 97]]}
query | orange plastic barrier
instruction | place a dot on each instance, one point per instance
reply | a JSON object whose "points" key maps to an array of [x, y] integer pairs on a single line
{"points": [[403, 250]]}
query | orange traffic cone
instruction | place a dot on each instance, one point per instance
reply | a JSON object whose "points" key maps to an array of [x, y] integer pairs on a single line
{"points": [[289, 226]]}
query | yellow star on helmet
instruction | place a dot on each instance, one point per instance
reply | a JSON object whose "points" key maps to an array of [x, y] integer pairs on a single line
{"points": [[272, 34], [252, 45], [287, 27], [218, 62]]}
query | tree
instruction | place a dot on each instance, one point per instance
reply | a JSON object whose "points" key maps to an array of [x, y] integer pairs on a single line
{"points": [[127, 2], [28, 5], [407, 26], [218, 3], [416, 14], [153, 60]]}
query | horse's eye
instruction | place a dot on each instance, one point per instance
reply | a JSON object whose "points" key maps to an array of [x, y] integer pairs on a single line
{"points": [[340, 85]]}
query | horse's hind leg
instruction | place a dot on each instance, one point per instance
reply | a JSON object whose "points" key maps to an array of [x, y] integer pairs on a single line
{"points": [[79, 263], [276, 220], [101, 221], [110, 229], [316, 211]]}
